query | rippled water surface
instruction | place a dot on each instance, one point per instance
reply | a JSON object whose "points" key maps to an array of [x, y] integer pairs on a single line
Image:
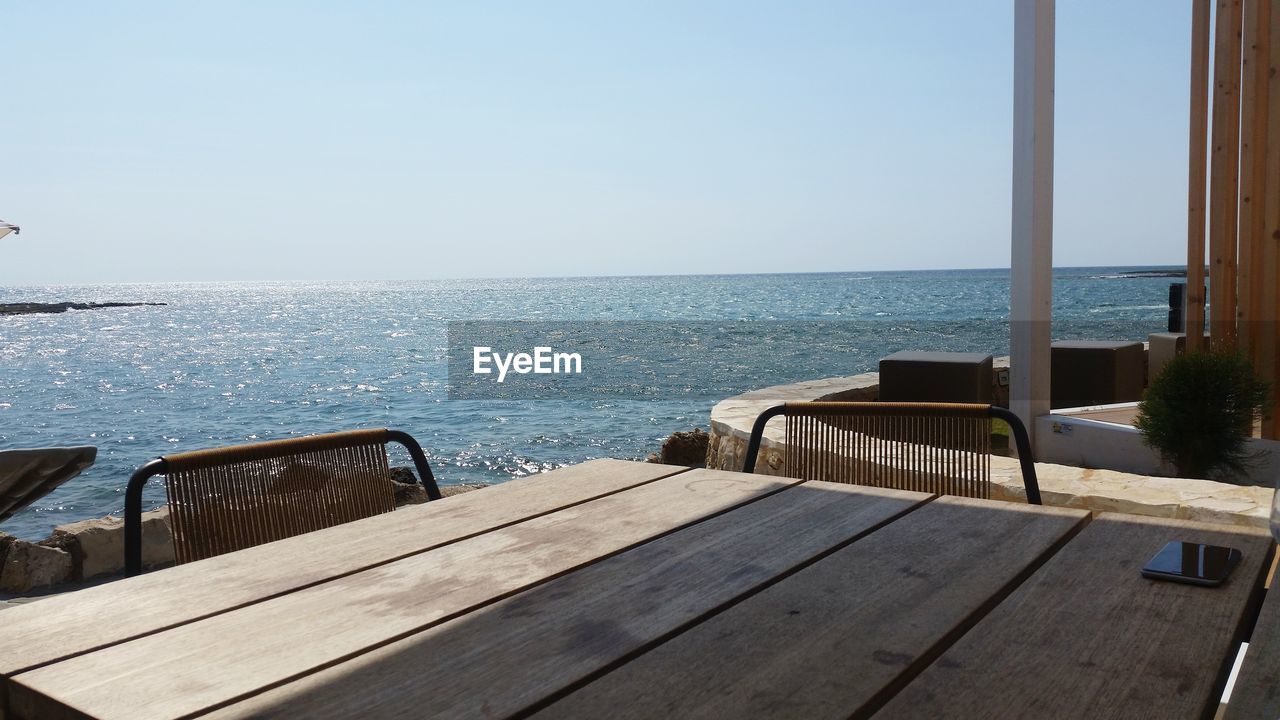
{"points": [[235, 362]]}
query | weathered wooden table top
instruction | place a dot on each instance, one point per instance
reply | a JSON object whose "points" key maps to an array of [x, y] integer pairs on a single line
{"points": [[1257, 689], [630, 590]]}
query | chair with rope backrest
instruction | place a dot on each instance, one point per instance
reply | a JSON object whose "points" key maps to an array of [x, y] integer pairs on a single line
{"points": [[231, 498], [942, 448]]}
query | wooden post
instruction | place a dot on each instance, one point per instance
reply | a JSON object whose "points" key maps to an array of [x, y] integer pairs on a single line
{"points": [[1031, 277], [1269, 197], [1255, 67], [1224, 176], [1196, 175]]}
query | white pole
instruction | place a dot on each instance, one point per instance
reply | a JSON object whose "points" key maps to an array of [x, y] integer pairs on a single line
{"points": [[1031, 281]]}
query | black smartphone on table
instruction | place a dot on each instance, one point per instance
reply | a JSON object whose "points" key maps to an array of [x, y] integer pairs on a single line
{"points": [[1193, 563]]}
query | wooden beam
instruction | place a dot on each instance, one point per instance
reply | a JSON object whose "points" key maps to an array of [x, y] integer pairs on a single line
{"points": [[1269, 366], [1198, 145], [1255, 65], [1224, 175], [1031, 275]]}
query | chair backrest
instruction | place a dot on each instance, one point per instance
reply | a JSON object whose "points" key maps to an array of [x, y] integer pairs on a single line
{"points": [[231, 498], [942, 448]]}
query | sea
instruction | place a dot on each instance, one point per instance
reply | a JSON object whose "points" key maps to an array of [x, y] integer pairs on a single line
{"points": [[225, 363]]}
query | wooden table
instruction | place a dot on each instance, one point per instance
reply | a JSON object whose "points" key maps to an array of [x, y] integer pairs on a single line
{"points": [[615, 589], [1257, 690]]}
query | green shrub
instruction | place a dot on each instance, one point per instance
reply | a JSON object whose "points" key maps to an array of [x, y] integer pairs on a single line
{"points": [[1198, 411], [1000, 433]]}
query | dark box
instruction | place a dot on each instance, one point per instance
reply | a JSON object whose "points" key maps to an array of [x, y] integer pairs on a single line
{"points": [[913, 376], [1096, 372]]}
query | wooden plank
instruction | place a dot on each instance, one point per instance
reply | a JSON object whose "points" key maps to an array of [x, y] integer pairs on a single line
{"points": [[1088, 637], [1254, 108], [1269, 368], [835, 638], [1257, 690], [1198, 146], [213, 661], [58, 627], [499, 662], [1224, 176]]}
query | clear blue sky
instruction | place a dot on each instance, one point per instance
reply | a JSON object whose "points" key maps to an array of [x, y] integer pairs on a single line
{"points": [[144, 141]]}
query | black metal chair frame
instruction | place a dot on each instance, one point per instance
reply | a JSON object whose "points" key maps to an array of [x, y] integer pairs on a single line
{"points": [[159, 466], [1021, 441]]}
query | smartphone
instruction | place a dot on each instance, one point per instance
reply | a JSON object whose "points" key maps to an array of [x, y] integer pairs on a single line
{"points": [[1192, 563]]}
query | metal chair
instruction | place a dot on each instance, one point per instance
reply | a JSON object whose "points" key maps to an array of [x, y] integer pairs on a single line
{"points": [[231, 498], [942, 448]]}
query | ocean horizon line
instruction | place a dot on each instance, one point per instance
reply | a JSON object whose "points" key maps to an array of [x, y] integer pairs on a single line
{"points": [[399, 281]]}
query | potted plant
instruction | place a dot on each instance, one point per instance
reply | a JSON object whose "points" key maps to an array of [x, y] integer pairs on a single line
{"points": [[1199, 411]]}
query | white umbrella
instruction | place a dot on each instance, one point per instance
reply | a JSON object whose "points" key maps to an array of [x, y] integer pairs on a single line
{"points": [[6, 228]]}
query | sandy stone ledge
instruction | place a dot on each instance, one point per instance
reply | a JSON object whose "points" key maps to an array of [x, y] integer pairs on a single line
{"points": [[1061, 485]]}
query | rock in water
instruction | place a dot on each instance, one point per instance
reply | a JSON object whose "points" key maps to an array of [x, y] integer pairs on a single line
{"points": [[686, 448], [61, 307], [410, 492]]}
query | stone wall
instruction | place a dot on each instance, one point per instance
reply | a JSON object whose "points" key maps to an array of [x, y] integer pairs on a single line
{"points": [[80, 551], [732, 418], [98, 545]]}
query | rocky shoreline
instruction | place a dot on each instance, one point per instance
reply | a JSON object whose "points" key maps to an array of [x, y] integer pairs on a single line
{"points": [[61, 307], [1147, 274]]}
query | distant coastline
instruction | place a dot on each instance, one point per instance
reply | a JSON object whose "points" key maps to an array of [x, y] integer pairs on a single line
{"points": [[61, 307], [1146, 274]]}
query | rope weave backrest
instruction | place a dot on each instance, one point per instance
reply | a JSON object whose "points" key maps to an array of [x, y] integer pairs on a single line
{"points": [[228, 499], [942, 448]]}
